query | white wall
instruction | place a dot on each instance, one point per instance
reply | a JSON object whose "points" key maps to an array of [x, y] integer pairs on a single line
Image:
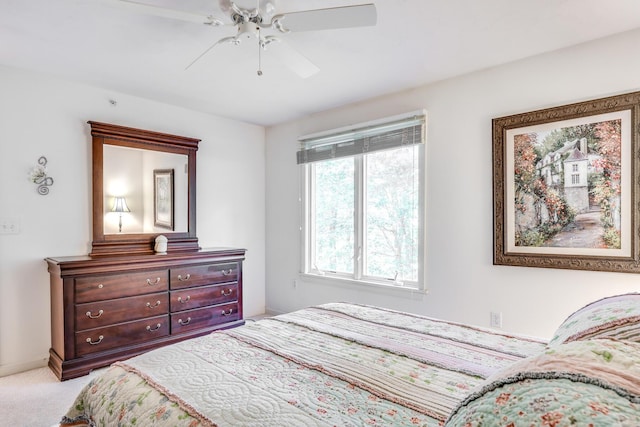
{"points": [[463, 284], [41, 115]]}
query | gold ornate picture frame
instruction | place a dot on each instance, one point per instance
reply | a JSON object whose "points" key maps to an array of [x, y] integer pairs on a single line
{"points": [[566, 186]]}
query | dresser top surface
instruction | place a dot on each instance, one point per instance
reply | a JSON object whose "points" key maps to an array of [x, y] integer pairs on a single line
{"points": [[85, 264]]}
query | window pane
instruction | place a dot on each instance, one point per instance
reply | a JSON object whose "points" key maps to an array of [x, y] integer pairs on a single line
{"points": [[392, 214], [334, 215]]}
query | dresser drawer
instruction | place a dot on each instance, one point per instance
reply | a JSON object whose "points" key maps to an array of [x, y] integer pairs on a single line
{"points": [[203, 317], [187, 299], [198, 275], [95, 314], [120, 335], [96, 288]]}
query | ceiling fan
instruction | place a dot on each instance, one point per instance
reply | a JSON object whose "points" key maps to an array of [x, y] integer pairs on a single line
{"points": [[258, 25]]}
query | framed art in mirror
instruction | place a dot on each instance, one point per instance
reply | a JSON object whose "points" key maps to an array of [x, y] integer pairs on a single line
{"points": [[566, 188], [163, 198]]}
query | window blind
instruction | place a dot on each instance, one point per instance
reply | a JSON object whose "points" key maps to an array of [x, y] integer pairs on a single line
{"points": [[406, 131]]}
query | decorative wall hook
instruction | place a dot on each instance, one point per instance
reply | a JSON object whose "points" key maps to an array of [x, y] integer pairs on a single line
{"points": [[39, 176]]}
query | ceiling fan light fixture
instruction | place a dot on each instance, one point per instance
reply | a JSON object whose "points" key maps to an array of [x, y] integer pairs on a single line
{"points": [[249, 24], [243, 15]]}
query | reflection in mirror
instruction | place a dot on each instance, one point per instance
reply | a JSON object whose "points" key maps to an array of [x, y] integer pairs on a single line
{"points": [[129, 173], [154, 162]]}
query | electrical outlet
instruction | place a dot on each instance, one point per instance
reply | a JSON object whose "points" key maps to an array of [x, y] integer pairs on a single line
{"points": [[496, 320], [9, 226]]}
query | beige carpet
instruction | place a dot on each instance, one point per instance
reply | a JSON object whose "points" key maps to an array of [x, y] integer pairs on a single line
{"points": [[36, 398]]}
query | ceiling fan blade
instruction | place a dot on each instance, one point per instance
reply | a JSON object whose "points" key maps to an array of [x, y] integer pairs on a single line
{"points": [[292, 59], [232, 39], [326, 19], [167, 13]]}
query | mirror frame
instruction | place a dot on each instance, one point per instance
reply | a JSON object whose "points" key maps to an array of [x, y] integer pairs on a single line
{"points": [[139, 243]]}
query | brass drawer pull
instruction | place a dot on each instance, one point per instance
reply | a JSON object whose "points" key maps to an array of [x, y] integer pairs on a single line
{"points": [[91, 316], [184, 322], [150, 283], [154, 329], [100, 338], [182, 301], [153, 306], [185, 278], [227, 272], [226, 294], [227, 313]]}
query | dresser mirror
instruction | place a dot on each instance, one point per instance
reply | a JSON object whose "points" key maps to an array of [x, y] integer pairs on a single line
{"points": [[143, 186], [145, 191]]}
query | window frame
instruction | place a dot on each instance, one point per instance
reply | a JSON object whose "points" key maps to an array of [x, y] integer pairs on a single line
{"points": [[306, 199], [575, 178]]}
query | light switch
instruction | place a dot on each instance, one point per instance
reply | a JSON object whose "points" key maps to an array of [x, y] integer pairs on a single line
{"points": [[9, 226]]}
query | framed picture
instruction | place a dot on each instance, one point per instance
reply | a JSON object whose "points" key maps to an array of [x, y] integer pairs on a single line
{"points": [[163, 198], [566, 186]]}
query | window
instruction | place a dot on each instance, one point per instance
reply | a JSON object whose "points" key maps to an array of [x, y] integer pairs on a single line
{"points": [[364, 203], [574, 167], [575, 179]]}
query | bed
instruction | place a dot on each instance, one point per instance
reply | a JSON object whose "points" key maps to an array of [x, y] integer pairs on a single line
{"points": [[345, 364]]}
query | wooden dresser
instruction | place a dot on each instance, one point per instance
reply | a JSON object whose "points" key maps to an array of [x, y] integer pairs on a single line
{"points": [[105, 309]]}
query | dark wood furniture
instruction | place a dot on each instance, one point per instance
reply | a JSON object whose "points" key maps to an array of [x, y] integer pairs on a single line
{"points": [[123, 299], [105, 309]]}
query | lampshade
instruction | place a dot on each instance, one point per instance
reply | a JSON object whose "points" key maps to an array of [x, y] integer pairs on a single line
{"points": [[120, 205]]}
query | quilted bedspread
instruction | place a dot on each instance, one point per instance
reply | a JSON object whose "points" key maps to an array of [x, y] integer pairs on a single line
{"points": [[332, 365], [582, 383]]}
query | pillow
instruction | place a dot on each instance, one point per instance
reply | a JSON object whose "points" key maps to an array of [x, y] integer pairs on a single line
{"points": [[615, 317], [593, 382]]}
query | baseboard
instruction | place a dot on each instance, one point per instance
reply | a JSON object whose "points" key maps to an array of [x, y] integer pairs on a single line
{"points": [[269, 312], [16, 368]]}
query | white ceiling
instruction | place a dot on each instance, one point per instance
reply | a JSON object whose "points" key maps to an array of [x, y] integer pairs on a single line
{"points": [[414, 42]]}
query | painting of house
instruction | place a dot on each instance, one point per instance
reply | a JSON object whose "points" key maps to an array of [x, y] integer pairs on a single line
{"points": [[567, 169]]}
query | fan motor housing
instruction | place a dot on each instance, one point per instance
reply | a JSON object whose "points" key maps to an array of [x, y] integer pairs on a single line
{"points": [[248, 30]]}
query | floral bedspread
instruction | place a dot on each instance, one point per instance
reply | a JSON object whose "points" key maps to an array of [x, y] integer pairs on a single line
{"points": [[615, 317], [331, 365], [582, 383]]}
